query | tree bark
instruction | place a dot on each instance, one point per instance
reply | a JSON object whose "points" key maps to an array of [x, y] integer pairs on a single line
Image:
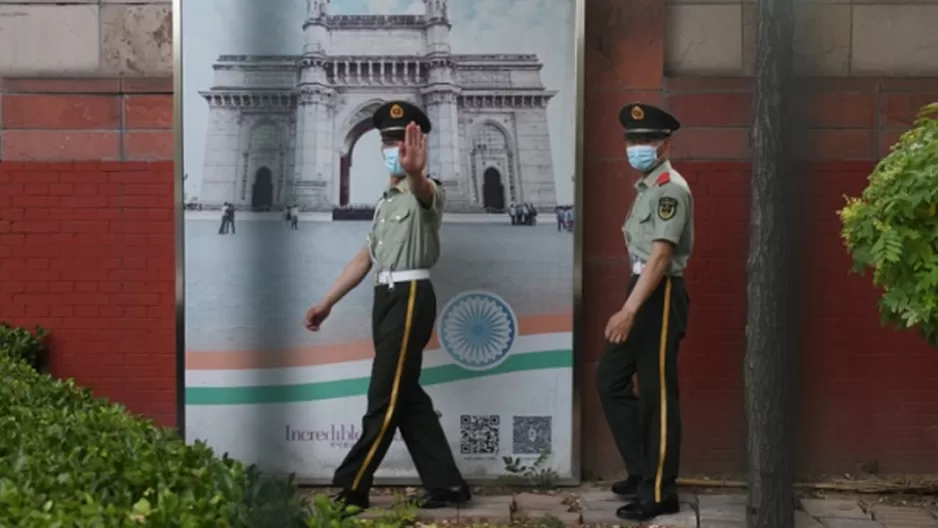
{"points": [[770, 270]]}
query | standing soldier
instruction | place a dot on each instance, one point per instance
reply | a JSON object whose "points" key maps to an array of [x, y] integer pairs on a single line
{"points": [[644, 335], [404, 244]]}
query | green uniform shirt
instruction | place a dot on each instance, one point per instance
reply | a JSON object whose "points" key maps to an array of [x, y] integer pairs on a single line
{"points": [[663, 210], [405, 235]]}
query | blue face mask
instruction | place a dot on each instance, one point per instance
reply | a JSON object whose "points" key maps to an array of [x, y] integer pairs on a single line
{"points": [[642, 157], [392, 161]]}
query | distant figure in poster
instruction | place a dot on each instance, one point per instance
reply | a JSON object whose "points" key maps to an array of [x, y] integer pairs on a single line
{"points": [[644, 335], [294, 217], [230, 210], [404, 243], [513, 213], [227, 219]]}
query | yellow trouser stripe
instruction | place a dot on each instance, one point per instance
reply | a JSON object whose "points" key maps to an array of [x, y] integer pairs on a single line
{"points": [[395, 386], [662, 382]]}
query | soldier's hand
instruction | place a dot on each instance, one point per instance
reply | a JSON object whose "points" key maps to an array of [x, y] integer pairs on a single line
{"points": [[619, 326], [413, 151], [316, 315]]}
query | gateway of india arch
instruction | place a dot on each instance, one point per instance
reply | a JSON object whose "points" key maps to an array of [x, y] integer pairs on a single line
{"points": [[282, 128]]}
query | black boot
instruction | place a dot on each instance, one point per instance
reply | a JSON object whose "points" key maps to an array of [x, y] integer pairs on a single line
{"points": [[443, 497], [352, 499], [639, 510], [627, 488]]}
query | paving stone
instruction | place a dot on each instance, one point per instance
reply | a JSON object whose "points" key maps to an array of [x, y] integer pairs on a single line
{"points": [[603, 512], [439, 514], [903, 517], [833, 509], [539, 501], [487, 509], [686, 518], [850, 523], [714, 512], [598, 495], [721, 500], [565, 517], [803, 520]]}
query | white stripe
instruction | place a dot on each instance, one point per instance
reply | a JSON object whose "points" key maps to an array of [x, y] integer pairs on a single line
{"points": [[351, 369]]}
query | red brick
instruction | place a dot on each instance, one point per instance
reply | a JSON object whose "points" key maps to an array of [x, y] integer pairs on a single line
{"points": [[151, 85], [901, 108], [839, 84], [52, 145], [624, 44], [711, 144], [690, 84], [833, 144], [840, 109], [712, 109], [888, 137], [149, 145], [148, 111], [70, 281], [920, 84], [57, 85], [61, 112]]}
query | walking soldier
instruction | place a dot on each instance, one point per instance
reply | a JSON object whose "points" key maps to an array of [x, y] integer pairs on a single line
{"points": [[404, 243], [644, 335]]}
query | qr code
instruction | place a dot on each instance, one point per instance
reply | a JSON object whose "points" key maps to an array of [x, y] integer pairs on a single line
{"points": [[531, 435], [478, 434]]}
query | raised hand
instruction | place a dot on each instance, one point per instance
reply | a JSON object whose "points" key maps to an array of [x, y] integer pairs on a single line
{"points": [[413, 151]]}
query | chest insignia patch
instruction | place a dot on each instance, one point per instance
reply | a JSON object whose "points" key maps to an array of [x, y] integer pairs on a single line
{"points": [[667, 208]]}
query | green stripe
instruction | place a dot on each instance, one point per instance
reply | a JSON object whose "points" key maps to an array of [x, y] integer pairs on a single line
{"points": [[327, 390]]}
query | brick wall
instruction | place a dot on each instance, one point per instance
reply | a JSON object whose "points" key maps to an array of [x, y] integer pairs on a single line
{"points": [[87, 231]]}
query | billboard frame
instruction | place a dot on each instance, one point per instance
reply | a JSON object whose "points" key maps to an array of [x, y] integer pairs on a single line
{"points": [[578, 200]]}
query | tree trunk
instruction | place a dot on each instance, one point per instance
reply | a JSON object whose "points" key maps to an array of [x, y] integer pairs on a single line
{"points": [[769, 326]]}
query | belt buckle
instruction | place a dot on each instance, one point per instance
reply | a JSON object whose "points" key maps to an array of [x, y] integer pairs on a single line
{"points": [[390, 280]]}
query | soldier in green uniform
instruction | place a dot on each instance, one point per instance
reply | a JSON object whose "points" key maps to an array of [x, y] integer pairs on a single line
{"points": [[404, 243], [644, 335]]}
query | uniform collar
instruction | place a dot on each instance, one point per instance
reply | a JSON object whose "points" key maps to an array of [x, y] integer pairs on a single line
{"points": [[651, 179], [400, 188]]}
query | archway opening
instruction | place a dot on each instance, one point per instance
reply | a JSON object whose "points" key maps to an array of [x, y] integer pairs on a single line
{"points": [[262, 192], [493, 191], [364, 164]]}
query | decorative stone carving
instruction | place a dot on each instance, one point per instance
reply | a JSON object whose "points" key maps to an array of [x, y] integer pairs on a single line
{"points": [[321, 97]]}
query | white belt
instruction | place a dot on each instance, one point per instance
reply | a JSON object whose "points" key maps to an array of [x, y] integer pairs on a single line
{"points": [[637, 267], [391, 277]]}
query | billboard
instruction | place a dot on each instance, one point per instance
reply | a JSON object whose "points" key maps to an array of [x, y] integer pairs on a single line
{"points": [[282, 173]]}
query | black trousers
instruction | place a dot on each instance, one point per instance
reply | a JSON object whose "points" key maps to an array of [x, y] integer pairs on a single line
{"points": [[402, 322], [647, 428]]}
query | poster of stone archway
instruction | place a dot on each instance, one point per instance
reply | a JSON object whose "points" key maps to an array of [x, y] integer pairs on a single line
{"points": [[284, 172]]}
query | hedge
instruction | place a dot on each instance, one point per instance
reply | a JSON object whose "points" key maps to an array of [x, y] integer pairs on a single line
{"points": [[68, 459]]}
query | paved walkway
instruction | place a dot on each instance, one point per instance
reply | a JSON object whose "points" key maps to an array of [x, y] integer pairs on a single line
{"points": [[596, 507]]}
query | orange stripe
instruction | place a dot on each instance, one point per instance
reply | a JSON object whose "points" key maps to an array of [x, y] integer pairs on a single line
{"points": [[342, 352], [663, 383]]}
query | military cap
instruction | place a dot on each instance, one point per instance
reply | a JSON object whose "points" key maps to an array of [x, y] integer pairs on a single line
{"points": [[646, 121], [393, 117]]}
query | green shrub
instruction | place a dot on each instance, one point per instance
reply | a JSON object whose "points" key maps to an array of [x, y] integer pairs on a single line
{"points": [[20, 343], [68, 459], [892, 229]]}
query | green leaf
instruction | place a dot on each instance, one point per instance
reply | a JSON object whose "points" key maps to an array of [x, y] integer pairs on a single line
{"points": [[892, 228]]}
